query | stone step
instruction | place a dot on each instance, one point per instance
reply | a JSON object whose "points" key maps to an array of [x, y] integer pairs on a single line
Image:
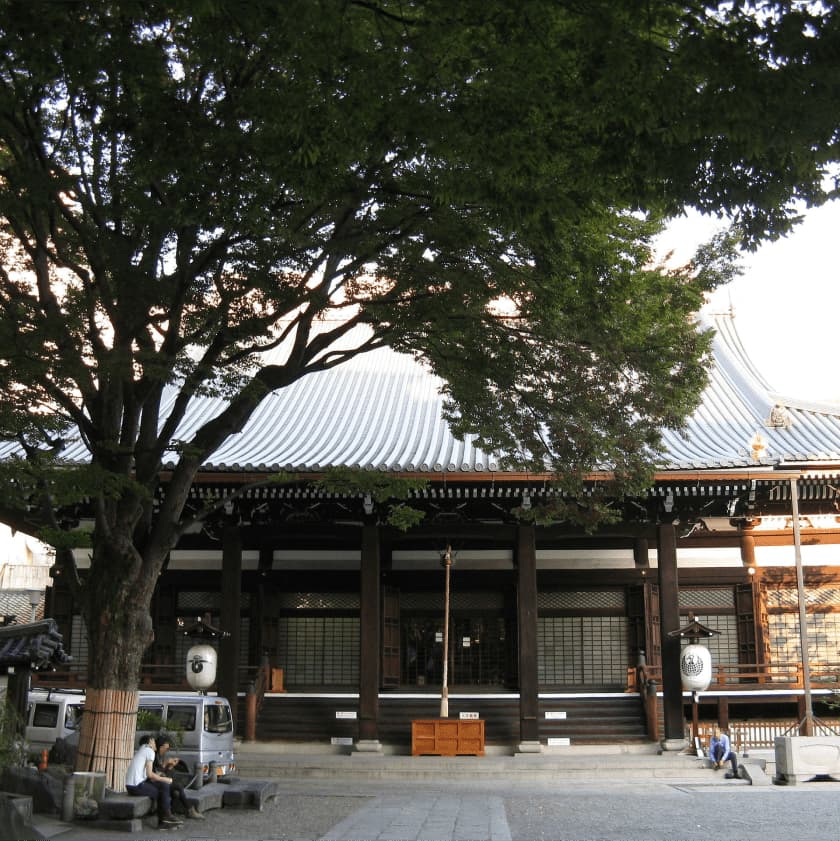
{"points": [[571, 765]]}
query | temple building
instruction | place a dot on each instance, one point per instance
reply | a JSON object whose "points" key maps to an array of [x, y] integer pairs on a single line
{"points": [[555, 635]]}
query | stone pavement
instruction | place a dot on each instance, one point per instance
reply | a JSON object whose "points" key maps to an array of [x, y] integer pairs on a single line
{"points": [[426, 815], [324, 796]]}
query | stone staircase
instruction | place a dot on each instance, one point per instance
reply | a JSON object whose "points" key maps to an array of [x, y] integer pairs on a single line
{"points": [[575, 718], [619, 763]]}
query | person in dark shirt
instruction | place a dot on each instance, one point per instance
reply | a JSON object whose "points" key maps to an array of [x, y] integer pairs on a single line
{"points": [[163, 765]]}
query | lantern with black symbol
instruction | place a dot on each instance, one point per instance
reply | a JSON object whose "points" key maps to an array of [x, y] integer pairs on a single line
{"points": [[201, 667], [695, 659]]}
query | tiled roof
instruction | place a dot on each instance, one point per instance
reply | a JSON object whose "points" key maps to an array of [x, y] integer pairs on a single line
{"points": [[36, 644], [383, 411], [16, 603], [738, 404]]}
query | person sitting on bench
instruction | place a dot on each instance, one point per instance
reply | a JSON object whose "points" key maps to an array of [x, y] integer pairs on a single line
{"points": [[142, 780]]}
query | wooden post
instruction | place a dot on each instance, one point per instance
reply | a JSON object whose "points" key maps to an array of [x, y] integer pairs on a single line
{"points": [[669, 612], [228, 671], [251, 714], [807, 725], [369, 637], [526, 567], [444, 690]]}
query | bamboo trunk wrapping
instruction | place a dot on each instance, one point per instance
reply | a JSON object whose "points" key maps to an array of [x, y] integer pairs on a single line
{"points": [[106, 743]]}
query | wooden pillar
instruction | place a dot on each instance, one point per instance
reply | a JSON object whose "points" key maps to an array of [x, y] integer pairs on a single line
{"points": [[640, 553], [369, 640], [229, 619], [669, 612], [17, 692], [526, 565], [723, 712]]}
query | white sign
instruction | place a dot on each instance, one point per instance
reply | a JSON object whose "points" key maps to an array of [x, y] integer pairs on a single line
{"points": [[555, 714], [345, 713], [438, 636], [341, 740], [559, 742], [465, 642], [469, 715]]}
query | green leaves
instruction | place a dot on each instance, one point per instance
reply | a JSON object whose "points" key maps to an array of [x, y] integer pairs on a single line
{"points": [[381, 488], [183, 188]]}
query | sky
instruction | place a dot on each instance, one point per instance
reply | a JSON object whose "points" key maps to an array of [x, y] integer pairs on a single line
{"points": [[786, 303]]}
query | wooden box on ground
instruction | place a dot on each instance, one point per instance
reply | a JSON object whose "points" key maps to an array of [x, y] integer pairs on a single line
{"points": [[447, 737]]}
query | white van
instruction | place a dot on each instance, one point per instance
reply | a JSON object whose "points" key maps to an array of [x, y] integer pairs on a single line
{"points": [[203, 723], [53, 714]]}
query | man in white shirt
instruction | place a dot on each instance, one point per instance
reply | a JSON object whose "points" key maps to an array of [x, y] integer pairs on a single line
{"points": [[141, 779]]}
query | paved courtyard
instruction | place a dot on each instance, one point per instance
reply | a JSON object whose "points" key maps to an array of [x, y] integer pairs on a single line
{"points": [[464, 810]]}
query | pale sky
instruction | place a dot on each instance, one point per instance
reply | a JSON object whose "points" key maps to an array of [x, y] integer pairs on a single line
{"points": [[787, 302]]}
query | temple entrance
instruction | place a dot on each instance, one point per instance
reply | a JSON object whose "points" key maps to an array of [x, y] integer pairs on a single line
{"points": [[479, 651]]}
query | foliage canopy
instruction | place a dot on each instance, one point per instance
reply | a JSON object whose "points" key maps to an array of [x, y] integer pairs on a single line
{"points": [[184, 187]]}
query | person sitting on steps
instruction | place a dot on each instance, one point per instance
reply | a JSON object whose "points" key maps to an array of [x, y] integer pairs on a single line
{"points": [[720, 750], [142, 780]]}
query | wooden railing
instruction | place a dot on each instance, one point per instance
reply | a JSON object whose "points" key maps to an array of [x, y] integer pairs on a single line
{"points": [[760, 675], [758, 734], [156, 677], [646, 680]]}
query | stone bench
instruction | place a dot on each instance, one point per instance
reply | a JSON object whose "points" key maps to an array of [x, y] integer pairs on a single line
{"points": [[123, 812], [251, 793]]}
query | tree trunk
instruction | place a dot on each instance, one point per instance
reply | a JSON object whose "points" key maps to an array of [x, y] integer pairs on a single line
{"points": [[106, 742], [117, 597]]}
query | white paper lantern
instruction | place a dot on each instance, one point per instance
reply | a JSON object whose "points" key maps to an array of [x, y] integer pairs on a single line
{"points": [[696, 668], [201, 666]]}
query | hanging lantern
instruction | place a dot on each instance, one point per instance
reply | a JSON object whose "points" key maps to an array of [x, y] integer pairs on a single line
{"points": [[696, 659], [696, 668], [201, 667]]}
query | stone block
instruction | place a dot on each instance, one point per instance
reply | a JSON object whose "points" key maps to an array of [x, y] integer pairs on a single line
{"points": [[804, 757], [124, 807]]}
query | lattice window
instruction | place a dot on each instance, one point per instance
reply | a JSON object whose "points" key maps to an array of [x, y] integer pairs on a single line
{"points": [[78, 644], [198, 600], [723, 597], [823, 637], [318, 601], [433, 601], [723, 646], [479, 651], [787, 598], [582, 650], [318, 650], [580, 600]]}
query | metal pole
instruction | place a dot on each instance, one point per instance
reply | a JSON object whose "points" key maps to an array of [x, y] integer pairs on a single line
{"points": [[803, 618], [444, 691]]}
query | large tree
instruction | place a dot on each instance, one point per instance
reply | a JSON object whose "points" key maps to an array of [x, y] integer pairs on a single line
{"points": [[185, 185]]}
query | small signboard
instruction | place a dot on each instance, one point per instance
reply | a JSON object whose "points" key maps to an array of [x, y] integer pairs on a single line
{"points": [[345, 714], [469, 715], [465, 642], [555, 714], [559, 741], [341, 740]]}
